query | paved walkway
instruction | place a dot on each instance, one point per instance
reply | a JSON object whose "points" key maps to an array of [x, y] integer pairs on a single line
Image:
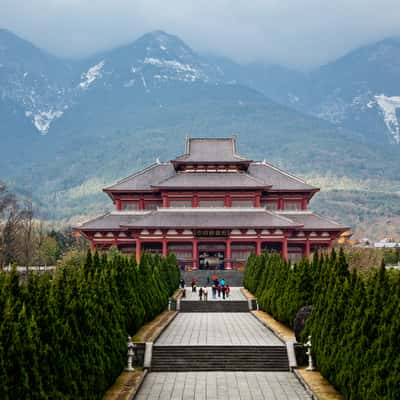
{"points": [[222, 386], [240, 329], [235, 294]]}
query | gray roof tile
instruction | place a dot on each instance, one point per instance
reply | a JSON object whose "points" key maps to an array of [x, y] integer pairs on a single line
{"points": [[212, 179], [280, 180], [143, 179], [211, 150], [311, 221], [191, 219]]}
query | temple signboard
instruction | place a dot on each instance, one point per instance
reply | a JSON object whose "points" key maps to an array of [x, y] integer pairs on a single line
{"points": [[211, 233]]}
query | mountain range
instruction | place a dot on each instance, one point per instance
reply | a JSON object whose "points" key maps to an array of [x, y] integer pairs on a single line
{"points": [[68, 127]]}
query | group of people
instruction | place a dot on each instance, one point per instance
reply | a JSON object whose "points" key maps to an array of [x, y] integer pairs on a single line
{"points": [[219, 288]]}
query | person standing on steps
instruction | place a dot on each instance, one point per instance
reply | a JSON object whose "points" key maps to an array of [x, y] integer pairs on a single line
{"points": [[222, 282], [219, 289], [201, 293], [208, 279], [193, 285], [214, 291], [205, 293], [228, 290], [223, 292]]}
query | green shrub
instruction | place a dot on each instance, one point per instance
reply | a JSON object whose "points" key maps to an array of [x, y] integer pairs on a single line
{"points": [[64, 336], [354, 323]]}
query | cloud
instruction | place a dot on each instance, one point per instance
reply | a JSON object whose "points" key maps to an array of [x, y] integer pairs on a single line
{"points": [[289, 32]]}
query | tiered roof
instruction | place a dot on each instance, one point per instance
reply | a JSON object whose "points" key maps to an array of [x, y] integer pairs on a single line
{"points": [[247, 175], [222, 218], [260, 175]]}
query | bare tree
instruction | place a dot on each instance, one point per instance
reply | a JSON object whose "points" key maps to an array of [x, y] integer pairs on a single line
{"points": [[10, 224], [40, 239], [28, 234]]}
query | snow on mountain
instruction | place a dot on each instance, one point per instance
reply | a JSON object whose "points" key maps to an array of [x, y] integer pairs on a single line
{"points": [[43, 119], [389, 105], [91, 75], [181, 71]]}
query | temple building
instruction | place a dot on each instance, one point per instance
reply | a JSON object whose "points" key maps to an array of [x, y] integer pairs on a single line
{"points": [[212, 207]]}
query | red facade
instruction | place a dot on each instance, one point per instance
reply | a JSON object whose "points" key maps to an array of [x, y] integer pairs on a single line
{"points": [[212, 208]]}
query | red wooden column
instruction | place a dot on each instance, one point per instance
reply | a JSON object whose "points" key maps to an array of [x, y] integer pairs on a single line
{"points": [[92, 245], [228, 256], [141, 203], [304, 204], [138, 250], [258, 247], [285, 253], [194, 253], [195, 200], [257, 200], [281, 205], [118, 205], [308, 251], [165, 200], [164, 247], [331, 242]]}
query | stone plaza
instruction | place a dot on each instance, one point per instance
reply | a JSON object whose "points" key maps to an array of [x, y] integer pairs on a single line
{"points": [[180, 371]]}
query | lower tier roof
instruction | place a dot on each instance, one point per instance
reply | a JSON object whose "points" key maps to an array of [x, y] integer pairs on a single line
{"points": [[211, 218]]}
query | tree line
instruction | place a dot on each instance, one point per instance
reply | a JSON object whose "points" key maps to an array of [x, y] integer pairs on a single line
{"points": [[354, 322], [64, 335]]}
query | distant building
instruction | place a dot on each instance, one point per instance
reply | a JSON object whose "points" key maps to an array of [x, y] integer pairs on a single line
{"points": [[387, 244], [212, 208]]}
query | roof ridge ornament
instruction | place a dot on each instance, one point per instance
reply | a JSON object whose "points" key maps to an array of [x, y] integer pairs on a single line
{"points": [[187, 144]]}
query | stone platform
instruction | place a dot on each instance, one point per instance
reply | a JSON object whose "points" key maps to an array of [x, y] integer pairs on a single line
{"points": [[222, 386], [235, 329]]}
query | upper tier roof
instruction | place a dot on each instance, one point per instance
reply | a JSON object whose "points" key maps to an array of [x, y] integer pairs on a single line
{"points": [[278, 179], [215, 180], [144, 179], [210, 150], [258, 174]]}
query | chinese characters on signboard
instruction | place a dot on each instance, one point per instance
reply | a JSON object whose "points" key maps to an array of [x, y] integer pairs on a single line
{"points": [[212, 233]]}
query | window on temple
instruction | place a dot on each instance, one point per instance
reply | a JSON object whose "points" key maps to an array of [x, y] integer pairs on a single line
{"points": [[242, 203], [211, 203], [292, 205], [151, 206], [129, 205], [271, 205], [180, 203]]}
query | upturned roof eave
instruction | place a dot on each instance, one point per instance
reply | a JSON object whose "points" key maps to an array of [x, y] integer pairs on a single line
{"points": [[213, 227], [209, 162], [189, 188]]}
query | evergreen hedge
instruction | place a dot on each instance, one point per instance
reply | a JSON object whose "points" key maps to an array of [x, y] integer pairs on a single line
{"points": [[355, 319], [64, 336]]}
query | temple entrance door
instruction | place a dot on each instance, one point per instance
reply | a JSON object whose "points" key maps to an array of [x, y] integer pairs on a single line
{"points": [[211, 256]]}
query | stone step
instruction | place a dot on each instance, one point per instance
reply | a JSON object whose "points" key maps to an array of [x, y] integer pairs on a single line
{"points": [[219, 358], [232, 277], [215, 306]]}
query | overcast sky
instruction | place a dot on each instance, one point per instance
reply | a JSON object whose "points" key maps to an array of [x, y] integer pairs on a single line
{"points": [[290, 32]]}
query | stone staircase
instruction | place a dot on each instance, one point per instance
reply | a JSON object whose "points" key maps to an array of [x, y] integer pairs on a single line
{"points": [[232, 277], [214, 306], [219, 358]]}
